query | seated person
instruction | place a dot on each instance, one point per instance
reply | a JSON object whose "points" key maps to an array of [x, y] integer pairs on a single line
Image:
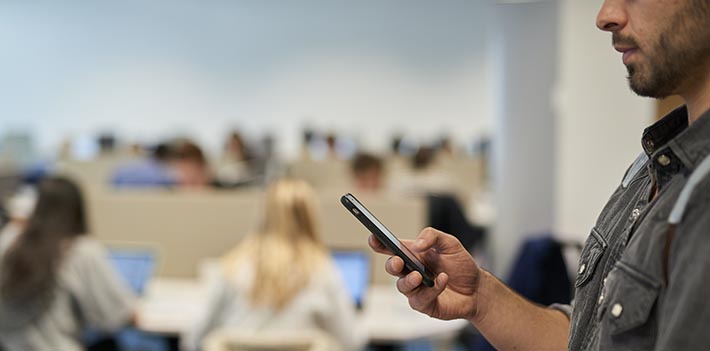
{"points": [[367, 173], [237, 164], [444, 212], [152, 172], [55, 281], [425, 176], [190, 165], [281, 278]]}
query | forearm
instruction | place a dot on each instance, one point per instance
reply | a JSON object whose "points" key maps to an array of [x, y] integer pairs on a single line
{"points": [[510, 322]]}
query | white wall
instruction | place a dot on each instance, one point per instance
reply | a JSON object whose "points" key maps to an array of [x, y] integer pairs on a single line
{"points": [[599, 120], [153, 69]]}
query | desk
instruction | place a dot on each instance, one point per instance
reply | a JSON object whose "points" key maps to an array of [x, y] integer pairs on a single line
{"points": [[170, 306]]}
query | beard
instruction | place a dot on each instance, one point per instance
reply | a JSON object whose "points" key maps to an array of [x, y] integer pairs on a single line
{"points": [[681, 49]]}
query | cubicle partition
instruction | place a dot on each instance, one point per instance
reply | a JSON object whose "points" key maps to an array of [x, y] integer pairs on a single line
{"points": [[185, 228]]}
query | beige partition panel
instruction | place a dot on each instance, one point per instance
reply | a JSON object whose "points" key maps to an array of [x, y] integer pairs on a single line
{"points": [[185, 228], [94, 173], [322, 174]]}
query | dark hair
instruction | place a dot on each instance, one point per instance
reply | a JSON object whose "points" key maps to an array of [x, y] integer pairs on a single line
{"points": [[30, 264], [236, 137], [363, 162], [162, 152], [396, 144], [189, 151], [423, 158], [331, 140]]}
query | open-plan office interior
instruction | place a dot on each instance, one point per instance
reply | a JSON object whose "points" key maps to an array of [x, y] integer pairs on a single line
{"points": [[210, 143]]}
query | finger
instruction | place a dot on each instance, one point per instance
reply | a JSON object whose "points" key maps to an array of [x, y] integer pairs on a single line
{"points": [[409, 283], [431, 238], [394, 266], [377, 246], [423, 297]]}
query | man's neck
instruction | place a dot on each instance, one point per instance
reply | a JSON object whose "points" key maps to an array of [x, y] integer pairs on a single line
{"points": [[697, 96]]}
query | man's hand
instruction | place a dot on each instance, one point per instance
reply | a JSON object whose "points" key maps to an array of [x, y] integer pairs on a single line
{"points": [[455, 285]]}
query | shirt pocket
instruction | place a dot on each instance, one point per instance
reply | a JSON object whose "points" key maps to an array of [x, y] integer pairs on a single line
{"points": [[593, 250], [629, 298]]}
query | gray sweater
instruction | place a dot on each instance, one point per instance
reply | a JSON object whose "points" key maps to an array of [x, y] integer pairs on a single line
{"points": [[89, 293]]}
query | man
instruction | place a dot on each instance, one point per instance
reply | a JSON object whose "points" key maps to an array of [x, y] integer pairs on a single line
{"points": [[642, 281]]}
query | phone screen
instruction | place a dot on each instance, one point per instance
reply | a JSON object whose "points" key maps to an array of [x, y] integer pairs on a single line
{"points": [[386, 232]]}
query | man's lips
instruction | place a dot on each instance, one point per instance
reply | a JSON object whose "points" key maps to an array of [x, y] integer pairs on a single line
{"points": [[627, 52]]}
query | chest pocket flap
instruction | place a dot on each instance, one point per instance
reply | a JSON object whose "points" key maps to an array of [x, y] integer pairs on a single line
{"points": [[591, 254], [631, 295]]}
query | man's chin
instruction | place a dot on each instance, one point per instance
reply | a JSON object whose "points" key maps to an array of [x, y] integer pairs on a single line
{"points": [[647, 91]]}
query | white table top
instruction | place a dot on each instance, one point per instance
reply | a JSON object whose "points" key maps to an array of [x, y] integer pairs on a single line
{"points": [[170, 306]]}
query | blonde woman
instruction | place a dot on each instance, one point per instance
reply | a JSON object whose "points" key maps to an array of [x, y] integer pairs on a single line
{"points": [[281, 278]]}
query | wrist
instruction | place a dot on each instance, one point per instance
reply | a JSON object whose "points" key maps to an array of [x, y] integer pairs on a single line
{"points": [[482, 296]]}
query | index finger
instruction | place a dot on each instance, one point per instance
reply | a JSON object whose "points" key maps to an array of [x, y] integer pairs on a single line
{"points": [[377, 246]]}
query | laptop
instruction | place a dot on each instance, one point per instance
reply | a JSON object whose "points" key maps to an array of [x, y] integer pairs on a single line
{"points": [[135, 265], [354, 266]]}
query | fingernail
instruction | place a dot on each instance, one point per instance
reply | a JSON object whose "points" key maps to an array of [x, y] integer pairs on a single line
{"points": [[419, 243]]}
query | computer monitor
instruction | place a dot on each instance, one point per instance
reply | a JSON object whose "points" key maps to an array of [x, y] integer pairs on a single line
{"points": [[136, 266], [354, 266]]}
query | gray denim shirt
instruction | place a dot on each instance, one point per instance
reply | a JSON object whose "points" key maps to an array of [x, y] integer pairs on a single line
{"points": [[643, 284]]}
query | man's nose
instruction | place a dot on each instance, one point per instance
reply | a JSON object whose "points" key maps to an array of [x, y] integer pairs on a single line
{"points": [[612, 16]]}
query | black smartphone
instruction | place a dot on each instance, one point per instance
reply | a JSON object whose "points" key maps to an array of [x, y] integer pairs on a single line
{"points": [[386, 237]]}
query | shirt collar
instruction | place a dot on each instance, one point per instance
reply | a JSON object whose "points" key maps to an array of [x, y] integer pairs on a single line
{"points": [[674, 147]]}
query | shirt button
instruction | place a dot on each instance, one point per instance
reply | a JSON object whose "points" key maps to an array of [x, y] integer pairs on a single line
{"points": [[601, 298], [582, 268], [635, 214], [649, 144], [616, 310], [663, 160]]}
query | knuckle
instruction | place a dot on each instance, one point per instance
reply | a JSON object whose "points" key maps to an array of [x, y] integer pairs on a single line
{"points": [[402, 286], [392, 268], [415, 303], [429, 231]]}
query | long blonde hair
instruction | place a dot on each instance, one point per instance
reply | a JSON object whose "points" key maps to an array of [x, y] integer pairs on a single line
{"points": [[287, 250]]}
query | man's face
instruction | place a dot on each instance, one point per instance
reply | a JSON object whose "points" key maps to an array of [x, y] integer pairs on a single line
{"points": [[664, 42]]}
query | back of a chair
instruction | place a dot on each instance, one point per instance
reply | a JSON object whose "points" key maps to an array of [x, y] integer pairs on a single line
{"points": [[227, 339]]}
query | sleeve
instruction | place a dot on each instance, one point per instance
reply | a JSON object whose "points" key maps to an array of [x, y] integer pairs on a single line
{"points": [[340, 321], [105, 301], [210, 318], [566, 309], [684, 315]]}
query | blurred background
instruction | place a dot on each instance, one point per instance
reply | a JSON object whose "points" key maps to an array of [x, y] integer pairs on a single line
{"points": [[499, 121]]}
